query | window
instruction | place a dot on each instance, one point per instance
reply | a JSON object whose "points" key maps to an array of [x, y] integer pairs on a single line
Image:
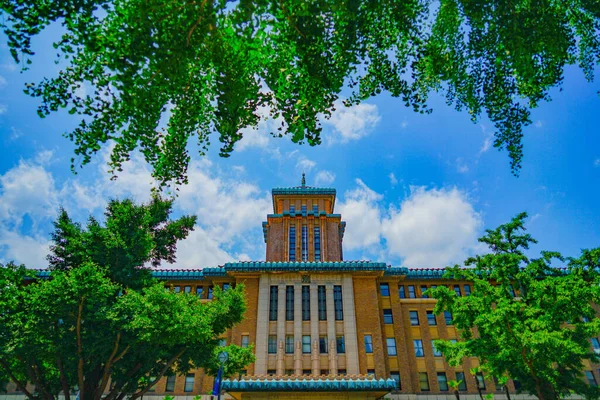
{"points": [[289, 372], [303, 209], [591, 378], [317, 242], [325, 372], [480, 381], [222, 342], [401, 292], [289, 303], [596, 345], [418, 344], [467, 290], [306, 344], [245, 341], [315, 209], [342, 372], [391, 346], [340, 345], [273, 304], [517, 384], [337, 303], [187, 289], [305, 303], [511, 290], [395, 375], [292, 236], [289, 344], [199, 291], [436, 352], [414, 318], [322, 303], [170, 387], [423, 290], [210, 292], [411, 292], [384, 289], [423, 382], [448, 317], [306, 371], [371, 372], [271, 371], [292, 208], [442, 381], [497, 384], [387, 316], [368, 344], [323, 344], [189, 383], [226, 286], [457, 290], [431, 318], [462, 383], [177, 289], [304, 238], [272, 344], [243, 372]]}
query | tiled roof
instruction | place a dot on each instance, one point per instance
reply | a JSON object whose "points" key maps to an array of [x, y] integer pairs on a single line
{"points": [[307, 385], [265, 266], [303, 190]]}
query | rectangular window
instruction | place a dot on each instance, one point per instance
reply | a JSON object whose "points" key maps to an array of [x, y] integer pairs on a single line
{"points": [[596, 345], [322, 303], [245, 341], [436, 352], [414, 318], [340, 345], [222, 342], [391, 346], [431, 318], [210, 292], [315, 209], [591, 378], [457, 290], [418, 344], [395, 375], [306, 371], [170, 387], [271, 371], [337, 303], [448, 318], [317, 242], [423, 290], [323, 344], [272, 344], [368, 344], [199, 291], [189, 383], [273, 303], [384, 289], [289, 372], [325, 372], [511, 289], [480, 381], [226, 286], [462, 382], [289, 344], [289, 303], [292, 208], [306, 344], [467, 290], [442, 381], [304, 240], [411, 292], [303, 209], [177, 289], [401, 292], [305, 303], [387, 316], [187, 289], [342, 372], [292, 240], [371, 372], [423, 382]]}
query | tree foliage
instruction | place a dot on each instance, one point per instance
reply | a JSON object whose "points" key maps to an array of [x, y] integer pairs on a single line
{"points": [[526, 318], [85, 326], [208, 66]]}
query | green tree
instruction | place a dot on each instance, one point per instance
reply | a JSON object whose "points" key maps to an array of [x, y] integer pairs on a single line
{"points": [[525, 318], [83, 325], [204, 66]]}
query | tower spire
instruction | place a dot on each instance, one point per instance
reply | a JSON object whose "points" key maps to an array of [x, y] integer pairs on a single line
{"points": [[303, 180]]}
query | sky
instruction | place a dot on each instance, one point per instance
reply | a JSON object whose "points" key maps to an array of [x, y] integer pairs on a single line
{"points": [[415, 190]]}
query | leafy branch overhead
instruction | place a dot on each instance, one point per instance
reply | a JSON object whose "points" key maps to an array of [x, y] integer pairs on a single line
{"points": [[207, 66]]}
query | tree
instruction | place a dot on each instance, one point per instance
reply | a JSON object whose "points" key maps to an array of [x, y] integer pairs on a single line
{"points": [[525, 318], [84, 326], [204, 66]]}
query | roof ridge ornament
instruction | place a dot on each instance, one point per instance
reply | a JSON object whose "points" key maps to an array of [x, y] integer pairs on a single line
{"points": [[303, 180]]}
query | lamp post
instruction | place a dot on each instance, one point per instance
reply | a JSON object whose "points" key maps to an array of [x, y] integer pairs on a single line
{"points": [[223, 357]]}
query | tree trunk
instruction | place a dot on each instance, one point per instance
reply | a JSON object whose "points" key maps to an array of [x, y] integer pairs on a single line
{"points": [[457, 394]]}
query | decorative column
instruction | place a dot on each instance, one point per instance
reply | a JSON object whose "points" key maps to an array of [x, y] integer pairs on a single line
{"points": [[298, 358], [298, 329], [280, 358], [314, 330], [350, 334], [262, 326], [280, 328], [333, 357], [331, 327]]}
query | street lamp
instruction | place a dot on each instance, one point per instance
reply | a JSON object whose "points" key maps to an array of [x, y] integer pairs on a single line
{"points": [[222, 357]]}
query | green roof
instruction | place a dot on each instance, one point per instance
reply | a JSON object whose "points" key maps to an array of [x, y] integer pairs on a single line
{"points": [[308, 385], [303, 190], [266, 266]]}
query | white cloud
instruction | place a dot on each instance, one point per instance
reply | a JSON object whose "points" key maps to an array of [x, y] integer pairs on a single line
{"points": [[393, 180], [324, 177], [3, 81], [15, 133], [259, 137], [351, 123], [487, 144], [461, 166], [362, 213], [538, 124], [305, 165], [597, 162], [3, 109]]}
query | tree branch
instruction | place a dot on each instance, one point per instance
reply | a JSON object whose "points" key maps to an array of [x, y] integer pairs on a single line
{"points": [[113, 393], [107, 368], [80, 350], [193, 28], [159, 375], [63, 379], [22, 386]]}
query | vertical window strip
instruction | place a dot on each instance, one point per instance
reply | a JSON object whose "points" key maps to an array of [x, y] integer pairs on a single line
{"points": [[292, 240], [305, 303], [337, 303], [317, 237], [304, 243], [322, 303], [273, 304], [289, 303]]}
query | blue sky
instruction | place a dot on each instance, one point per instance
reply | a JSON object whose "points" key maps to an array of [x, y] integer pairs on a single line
{"points": [[415, 190]]}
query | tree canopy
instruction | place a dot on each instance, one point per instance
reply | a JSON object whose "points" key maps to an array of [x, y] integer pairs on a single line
{"points": [[526, 319], [157, 73], [86, 329]]}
